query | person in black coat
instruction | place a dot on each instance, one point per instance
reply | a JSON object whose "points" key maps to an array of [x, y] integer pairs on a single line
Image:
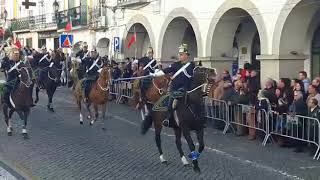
{"points": [[253, 84]]}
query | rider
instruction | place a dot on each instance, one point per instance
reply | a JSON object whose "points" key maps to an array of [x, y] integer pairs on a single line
{"points": [[43, 61], [92, 65], [11, 67], [148, 65], [182, 72], [82, 54]]}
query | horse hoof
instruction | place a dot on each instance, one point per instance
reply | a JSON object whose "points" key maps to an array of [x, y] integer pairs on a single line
{"points": [[9, 133], [51, 109], [163, 160], [36, 101], [81, 122], [185, 161], [89, 117], [91, 123]]}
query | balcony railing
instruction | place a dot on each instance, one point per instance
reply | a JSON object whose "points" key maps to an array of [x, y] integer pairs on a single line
{"points": [[20, 24], [45, 21], [78, 17], [130, 3], [97, 18]]}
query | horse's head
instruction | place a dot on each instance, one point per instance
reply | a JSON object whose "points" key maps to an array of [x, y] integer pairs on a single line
{"points": [[25, 75], [158, 87], [203, 76], [105, 73], [54, 73]]}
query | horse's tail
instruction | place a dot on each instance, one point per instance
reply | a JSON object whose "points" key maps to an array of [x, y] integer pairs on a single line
{"points": [[146, 124]]}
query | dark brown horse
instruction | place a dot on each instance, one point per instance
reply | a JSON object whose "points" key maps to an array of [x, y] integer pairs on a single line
{"points": [[184, 117], [20, 99], [156, 90], [98, 95]]}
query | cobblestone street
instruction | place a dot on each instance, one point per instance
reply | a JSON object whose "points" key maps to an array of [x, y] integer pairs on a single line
{"points": [[60, 148]]}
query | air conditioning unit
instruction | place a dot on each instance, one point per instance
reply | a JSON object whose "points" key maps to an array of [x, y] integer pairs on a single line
{"points": [[103, 20]]}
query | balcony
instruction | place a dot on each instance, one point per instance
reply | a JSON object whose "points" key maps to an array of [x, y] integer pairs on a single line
{"points": [[43, 22], [20, 24], [132, 3], [97, 18], [78, 17]]}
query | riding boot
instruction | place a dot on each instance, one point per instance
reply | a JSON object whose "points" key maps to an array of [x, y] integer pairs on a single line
{"points": [[166, 122]]}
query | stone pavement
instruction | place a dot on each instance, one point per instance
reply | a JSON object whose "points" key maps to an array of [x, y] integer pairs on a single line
{"points": [[60, 148]]}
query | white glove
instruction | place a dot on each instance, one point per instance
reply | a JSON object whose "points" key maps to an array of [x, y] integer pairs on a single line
{"points": [[158, 73], [99, 71]]}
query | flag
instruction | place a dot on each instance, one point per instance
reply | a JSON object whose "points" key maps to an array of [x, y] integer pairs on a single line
{"points": [[132, 40], [69, 25], [2, 32], [18, 44]]}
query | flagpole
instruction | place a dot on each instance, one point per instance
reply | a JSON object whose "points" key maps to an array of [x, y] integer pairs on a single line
{"points": [[135, 49]]}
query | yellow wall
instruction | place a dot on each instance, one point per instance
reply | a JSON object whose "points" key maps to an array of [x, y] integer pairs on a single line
{"points": [[15, 8], [65, 5]]}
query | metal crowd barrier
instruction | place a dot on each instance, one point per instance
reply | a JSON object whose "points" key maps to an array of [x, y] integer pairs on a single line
{"points": [[121, 90], [301, 128], [296, 127], [217, 110]]}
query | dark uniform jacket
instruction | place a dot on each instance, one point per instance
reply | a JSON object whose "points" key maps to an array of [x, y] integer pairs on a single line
{"points": [[145, 61], [181, 81], [92, 70], [45, 62], [13, 75], [83, 55]]}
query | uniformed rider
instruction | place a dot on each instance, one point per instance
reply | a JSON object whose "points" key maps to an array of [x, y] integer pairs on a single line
{"points": [[148, 65], [43, 61], [11, 67], [92, 64], [182, 72], [82, 55]]}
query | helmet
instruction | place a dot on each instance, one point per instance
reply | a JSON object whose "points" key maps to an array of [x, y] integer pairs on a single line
{"points": [[184, 49], [84, 45]]}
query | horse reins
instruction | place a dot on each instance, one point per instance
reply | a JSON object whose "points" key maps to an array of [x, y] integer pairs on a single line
{"points": [[160, 90]]}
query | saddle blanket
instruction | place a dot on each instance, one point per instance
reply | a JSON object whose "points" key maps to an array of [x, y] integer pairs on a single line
{"points": [[162, 104]]}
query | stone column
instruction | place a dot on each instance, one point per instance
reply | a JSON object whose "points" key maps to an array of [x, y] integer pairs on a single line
{"points": [[283, 66]]}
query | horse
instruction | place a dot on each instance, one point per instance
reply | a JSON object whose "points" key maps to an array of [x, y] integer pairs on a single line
{"points": [[51, 83], [74, 74], [98, 95], [183, 115], [20, 99]]}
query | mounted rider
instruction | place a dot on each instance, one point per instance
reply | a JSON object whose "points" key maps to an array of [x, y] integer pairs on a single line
{"points": [[92, 65], [148, 65], [82, 55], [182, 73], [11, 67], [43, 60]]}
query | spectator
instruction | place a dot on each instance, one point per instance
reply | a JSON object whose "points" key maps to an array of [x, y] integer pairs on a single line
{"points": [[242, 98], [253, 86], [314, 112], [313, 93], [269, 92], [285, 98], [116, 72], [303, 77], [298, 107], [316, 83], [226, 76]]}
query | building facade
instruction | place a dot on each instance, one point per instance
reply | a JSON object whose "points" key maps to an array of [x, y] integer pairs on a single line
{"points": [[279, 37]]}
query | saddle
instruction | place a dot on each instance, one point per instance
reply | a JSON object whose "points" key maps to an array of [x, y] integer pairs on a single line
{"points": [[163, 103]]}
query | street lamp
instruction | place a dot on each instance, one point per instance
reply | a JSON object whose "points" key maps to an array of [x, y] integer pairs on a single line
{"points": [[5, 15], [55, 6]]}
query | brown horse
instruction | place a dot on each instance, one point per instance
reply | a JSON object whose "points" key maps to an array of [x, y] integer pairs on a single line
{"points": [[73, 73], [98, 95], [157, 89], [183, 114], [20, 99]]}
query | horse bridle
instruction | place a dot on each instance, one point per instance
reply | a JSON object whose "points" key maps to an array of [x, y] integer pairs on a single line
{"points": [[107, 81], [160, 90], [28, 75]]}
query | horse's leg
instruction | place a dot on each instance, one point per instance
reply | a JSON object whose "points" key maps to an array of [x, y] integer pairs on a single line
{"points": [[88, 105], [200, 140], [96, 114], [37, 94], [50, 93], [80, 109], [7, 119], [22, 116], [158, 129], [193, 155], [104, 110], [177, 133]]}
